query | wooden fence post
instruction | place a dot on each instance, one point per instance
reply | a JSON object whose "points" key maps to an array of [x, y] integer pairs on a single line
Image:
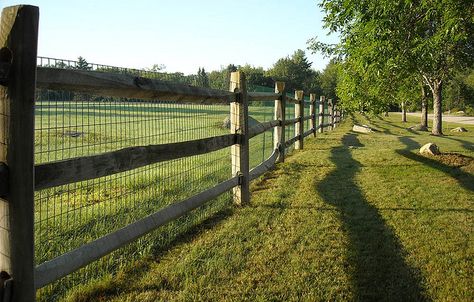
{"points": [[331, 113], [312, 111], [239, 125], [18, 33], [299, 113], [279, 131], [321, 113]]}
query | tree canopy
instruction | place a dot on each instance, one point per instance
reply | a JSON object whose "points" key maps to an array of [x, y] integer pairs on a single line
{"points": [[384, 42]]}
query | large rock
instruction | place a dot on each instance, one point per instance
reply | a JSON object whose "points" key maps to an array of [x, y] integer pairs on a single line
{"points": [[459, 129], [430, 149], [362, 129], [226, 122], [418, 127]]}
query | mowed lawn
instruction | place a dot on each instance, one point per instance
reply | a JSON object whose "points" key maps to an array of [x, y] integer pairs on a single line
{"points": [[350, 217]]}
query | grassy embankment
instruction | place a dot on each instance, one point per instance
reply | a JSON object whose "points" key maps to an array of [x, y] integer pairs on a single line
{"points": [[351, 217]]}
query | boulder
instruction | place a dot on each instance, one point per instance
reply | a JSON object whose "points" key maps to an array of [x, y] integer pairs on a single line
{"points": [[226, 122], [430, 149], [418, 127], [73, 133], [459, 129], [362, 129]]}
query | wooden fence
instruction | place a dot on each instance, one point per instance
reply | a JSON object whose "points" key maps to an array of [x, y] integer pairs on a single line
{"points": [[20, 177]]}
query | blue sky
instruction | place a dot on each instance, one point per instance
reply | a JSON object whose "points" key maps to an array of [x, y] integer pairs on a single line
{"points": [[181, 34]]}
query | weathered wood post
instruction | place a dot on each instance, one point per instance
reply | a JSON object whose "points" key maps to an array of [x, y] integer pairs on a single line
{"points": [[239, 125], [279, 131], [331, 113], [18, 33], [299, 114], [312, 111], [321, 113]]}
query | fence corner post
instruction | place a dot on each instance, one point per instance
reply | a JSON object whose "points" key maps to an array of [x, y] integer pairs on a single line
{"points": [[239, 125], [312, 111], [279, 131], [321, 113], [18, 33], [299, 114]]}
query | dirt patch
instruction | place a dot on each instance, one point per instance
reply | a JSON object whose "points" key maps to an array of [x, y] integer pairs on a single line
{"points": [[457, 160]]}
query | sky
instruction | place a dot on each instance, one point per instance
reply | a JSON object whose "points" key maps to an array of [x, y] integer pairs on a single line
{"points": [[183, 35]]}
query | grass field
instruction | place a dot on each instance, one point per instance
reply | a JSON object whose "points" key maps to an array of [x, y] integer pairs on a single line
{"points": [[68, 216], [350, 217]]}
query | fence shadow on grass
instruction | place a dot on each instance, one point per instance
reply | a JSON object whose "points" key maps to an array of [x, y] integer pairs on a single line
{"points": [[379, 272], [465, 179]]}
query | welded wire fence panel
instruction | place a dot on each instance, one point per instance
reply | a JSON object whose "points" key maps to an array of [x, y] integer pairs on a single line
{"points": [[307, 112], [72, 125], [260, 146], [289, 129]]}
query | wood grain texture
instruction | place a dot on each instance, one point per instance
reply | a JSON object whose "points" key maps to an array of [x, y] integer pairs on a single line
{"points": [[291, 121], [123, 85], [265, 166], [95, 166], [290, 142], [299, 114], [65, 264], [321, 114], [239, 117], [312, 111], [262, 127], [279, 114], [19, 33], [263, 96], [308, 133]]}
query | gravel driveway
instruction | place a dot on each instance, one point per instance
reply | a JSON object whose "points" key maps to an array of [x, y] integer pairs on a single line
{"points": [[448, 118]]}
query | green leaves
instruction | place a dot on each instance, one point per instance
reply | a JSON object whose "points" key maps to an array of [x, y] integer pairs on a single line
{"points": [[385, 42]]}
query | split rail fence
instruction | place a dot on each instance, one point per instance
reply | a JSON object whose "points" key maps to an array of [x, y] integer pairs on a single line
{"points": [[21, 178]]}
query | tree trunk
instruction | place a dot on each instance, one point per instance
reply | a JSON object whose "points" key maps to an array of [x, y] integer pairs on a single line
{"points": [[424, 107], [437, 89], [404, 112]]}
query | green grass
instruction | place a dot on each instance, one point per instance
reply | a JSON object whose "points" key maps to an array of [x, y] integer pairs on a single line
{"points": [[350, 217], [69, 216]]}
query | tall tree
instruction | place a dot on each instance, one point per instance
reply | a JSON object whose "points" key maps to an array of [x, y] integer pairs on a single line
{"points": [[399, 37], [295, 71], [82, 64], [329, 79], [202, 78]]}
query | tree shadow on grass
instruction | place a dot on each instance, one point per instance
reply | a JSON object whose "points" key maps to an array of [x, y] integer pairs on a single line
{"points": [[465, 179], [379, 271]]}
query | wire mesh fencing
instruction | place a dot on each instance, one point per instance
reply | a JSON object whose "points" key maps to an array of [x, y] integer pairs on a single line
{"points": [[261, 146], [289, 129], [70, 125]]}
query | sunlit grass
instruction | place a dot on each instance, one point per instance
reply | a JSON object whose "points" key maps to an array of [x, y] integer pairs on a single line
{"points": [[351, 217]]}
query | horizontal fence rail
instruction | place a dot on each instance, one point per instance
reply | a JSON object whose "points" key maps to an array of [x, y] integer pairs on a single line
{"points": [[262, 127], [67, 263], [130, 86], [84, 168], [84, 160], [263, 96], [265, 166]]}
